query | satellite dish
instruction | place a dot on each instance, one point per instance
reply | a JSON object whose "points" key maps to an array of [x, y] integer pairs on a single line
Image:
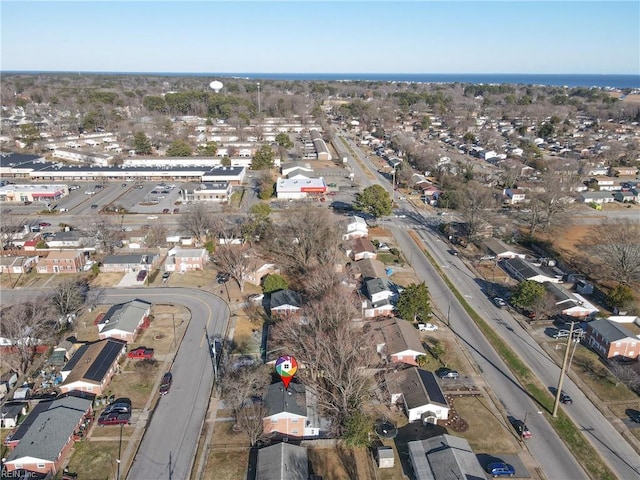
{"points": [[216, 86]]}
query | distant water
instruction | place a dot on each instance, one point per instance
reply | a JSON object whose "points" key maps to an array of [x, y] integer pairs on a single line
{"points": [[562, 79]]}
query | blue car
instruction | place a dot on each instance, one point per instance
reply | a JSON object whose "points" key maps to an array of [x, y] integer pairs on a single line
{"points": [[500, 469]]}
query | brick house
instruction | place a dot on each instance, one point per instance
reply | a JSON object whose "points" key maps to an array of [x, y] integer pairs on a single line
{"points": [[612, 340], [92, 366], [186, 259], [42, 442], [63, 261], [124, 321], [291, 411]]}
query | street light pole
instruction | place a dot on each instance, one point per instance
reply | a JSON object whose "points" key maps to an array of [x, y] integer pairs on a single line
{"points": [[556, 403]]}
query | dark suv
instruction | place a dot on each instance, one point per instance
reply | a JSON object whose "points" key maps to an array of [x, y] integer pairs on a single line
{"points": [[447, 373], [142, 274], [165, 384]]}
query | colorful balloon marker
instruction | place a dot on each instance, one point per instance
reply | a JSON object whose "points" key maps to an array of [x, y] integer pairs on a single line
{"points": [[286, 368]]}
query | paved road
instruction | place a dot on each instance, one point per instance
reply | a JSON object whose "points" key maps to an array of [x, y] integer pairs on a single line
{"points": [[169, 444], [546, 447]]}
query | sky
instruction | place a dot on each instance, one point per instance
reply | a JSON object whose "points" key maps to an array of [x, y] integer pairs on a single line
{"points": [[453, 36]]}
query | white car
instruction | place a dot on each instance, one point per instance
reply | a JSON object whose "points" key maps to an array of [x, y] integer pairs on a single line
{"points": [[152, 217], [427, 327]]}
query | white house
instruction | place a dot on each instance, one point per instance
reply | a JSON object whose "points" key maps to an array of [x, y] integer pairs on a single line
{"points": [[356, 228], [420, 394]]}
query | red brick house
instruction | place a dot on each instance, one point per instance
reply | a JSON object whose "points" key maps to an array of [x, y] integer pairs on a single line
{"points": [[63, 261]]}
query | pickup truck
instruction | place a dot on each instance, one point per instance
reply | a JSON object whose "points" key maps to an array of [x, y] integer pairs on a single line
{"points": [[141, 352]]}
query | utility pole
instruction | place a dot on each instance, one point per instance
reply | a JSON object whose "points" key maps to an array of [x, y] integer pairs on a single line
{"points": [[259, 107], [562, 372]]}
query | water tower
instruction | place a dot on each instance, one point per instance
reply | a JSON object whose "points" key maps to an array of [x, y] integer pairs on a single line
{"points": [[216, 86]]}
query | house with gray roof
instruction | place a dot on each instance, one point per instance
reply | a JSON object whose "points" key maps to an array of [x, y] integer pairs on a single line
{"points": [[292, 411], [282, 461], [285, 302], [70, 239], [10, 412], [444, 457], [124, 321], [131, 262], [521, 270], [419, 393], [501, 250], [397, 341], [379, 296], [612, 340], [48, 435]]}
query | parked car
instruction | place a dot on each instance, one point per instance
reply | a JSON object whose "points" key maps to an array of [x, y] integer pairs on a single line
{"points": [[139, 187], [114, 419], [141, 352], [142, 274], [634, 415], [44, 224], [166, 210], [427, 327], [500, 469], [74, 187], [124, 184], [453, 252], [154, 192], [165, 384], [445, 372], [152, 217], [165, 276], [223, 278], [522, 430], [122, 405], [94, 206], [176, 210], [499, 302]]}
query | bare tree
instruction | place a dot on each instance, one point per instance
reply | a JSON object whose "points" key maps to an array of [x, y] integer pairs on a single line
{"points": [[307, 237], [107, 233], [334, 352], [625, 373], [553, 204], [25, 325], [616, 242], [156, 235], [474, 203], [69, 295], [197, 221], [237, 260], [243, 390]]}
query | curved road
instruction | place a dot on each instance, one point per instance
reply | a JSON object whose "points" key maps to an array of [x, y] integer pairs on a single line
{"points": [[169, 444]]}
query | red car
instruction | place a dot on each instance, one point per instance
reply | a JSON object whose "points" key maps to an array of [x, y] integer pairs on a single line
{"points": [[141, 352], [114, 419]]}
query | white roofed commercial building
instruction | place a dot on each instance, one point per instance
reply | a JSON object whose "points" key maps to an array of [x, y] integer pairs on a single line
{"points": [[33, 193], [299, 187]]}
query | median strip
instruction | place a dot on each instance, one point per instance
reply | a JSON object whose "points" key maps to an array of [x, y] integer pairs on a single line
{"points": [[570, 434]]}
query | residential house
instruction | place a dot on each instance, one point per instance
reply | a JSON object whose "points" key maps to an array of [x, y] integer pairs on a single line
{"points": [[397, 341], [356, 228], [180, 238], [186, 259], [131, 262], [362, 248], [292, 411], [604, 184], [520, 269], [625, 197], [623, 171], [501, 250], [124, 321], [284, 303], [444, 457], [378, 298], [92, 366], [597, 197], [70, 239], [419, 393], [62, 261], [20, 264], [569, 303], [368, 268], [43, 441], [514, 195], [612, 340], [283, 461], [11, 412], [255, 276]]}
